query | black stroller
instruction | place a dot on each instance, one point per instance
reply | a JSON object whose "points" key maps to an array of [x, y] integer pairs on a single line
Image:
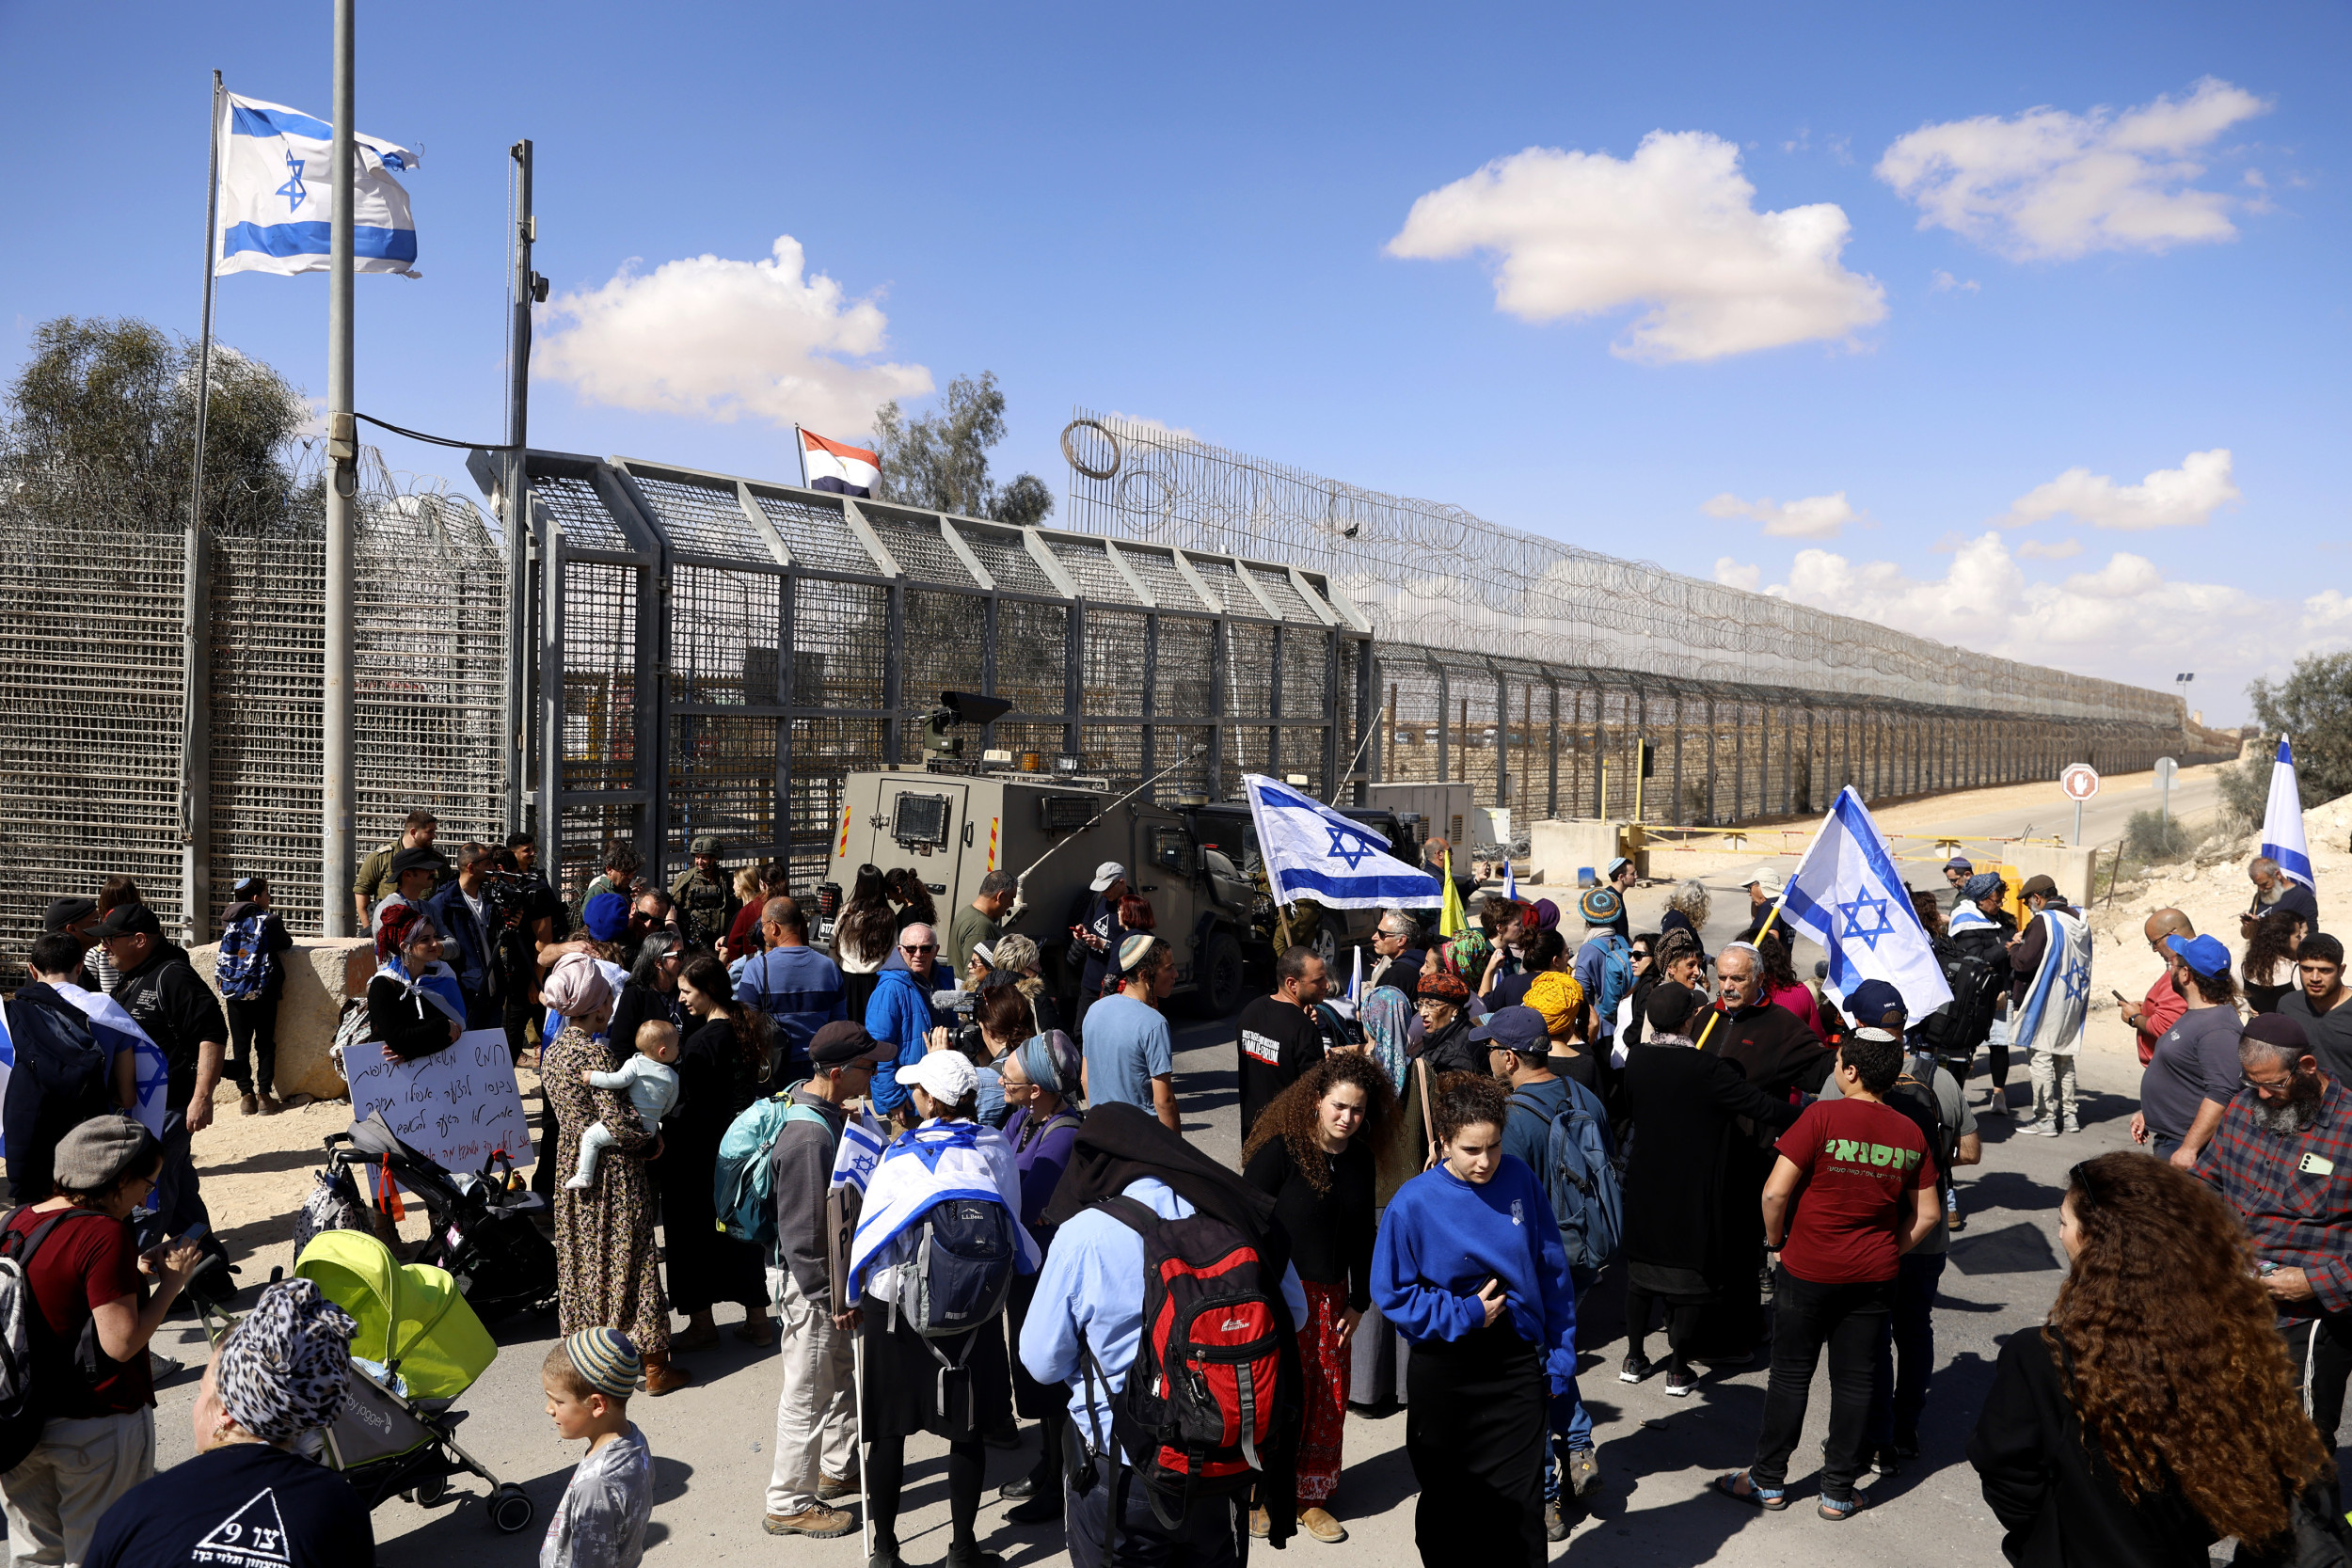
{"points": [[483, 1230]]}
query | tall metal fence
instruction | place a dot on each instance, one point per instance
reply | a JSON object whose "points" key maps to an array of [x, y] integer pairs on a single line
{"points": [[1534, 670], [114, 762]]}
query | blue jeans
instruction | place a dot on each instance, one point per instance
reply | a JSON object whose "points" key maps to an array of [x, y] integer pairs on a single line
{"points": [[1907, 1356], [1571, 1423]]}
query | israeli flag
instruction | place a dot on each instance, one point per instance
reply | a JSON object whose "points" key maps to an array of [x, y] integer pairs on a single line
{"points": [[1848, 895], [1312, 851], [115, 1031], [2282, 821], [278, 194], [860, 1151]]}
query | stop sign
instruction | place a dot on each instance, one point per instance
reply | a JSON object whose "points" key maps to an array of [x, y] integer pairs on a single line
{"points": [[2080, 781]]}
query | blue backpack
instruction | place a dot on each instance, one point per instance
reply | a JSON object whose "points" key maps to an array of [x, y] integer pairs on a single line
{"points": [[1616, 977], [744, 1184], [1579, 1178], [246, 965]]}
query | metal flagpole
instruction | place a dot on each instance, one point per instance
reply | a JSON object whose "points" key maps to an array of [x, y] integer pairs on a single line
{"points": [[799, 449], [196, 684], [342, 449], [525, 293]]}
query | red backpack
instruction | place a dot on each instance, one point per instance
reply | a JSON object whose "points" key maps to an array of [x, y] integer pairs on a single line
{"points": [[1210, 1388]]}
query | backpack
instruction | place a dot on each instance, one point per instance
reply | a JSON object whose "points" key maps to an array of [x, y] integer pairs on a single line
{"points": [[744, 1183], [245, 966], [1580, 1178], [59, 1082], [25, 1401], [1913, 1095], [1955, 1030], [1616, 976], [1209, 1388], [959, 1270]]}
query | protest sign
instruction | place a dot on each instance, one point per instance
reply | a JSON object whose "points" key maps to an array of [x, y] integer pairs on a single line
{"points": [[457, 1106]]}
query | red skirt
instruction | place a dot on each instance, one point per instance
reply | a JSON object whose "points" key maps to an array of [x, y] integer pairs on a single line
{"points": [[1324, 1360]]}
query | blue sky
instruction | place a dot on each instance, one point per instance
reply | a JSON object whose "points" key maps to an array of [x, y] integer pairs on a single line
{"points": [[2118, 328]]}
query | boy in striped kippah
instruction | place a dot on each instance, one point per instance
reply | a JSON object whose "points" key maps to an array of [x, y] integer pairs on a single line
{"points": [[601, 1521]]}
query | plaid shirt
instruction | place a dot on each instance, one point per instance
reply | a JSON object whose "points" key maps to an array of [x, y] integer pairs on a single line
{"points": [[2293, 1194]]}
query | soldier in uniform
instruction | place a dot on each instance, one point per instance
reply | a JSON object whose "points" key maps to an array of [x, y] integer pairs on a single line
{"points": [[706, 904]]}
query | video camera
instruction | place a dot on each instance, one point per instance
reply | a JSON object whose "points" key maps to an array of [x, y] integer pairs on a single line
{"points": [[958, 707]]}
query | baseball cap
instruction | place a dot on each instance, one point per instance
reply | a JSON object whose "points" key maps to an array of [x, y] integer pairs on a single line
{"points": [[1519, 1029], [947, 1076], [1871, 1001], [2205, 955], [1106, 874], [62, 912], [131, 920], [840, 1043], [1771, 881]]}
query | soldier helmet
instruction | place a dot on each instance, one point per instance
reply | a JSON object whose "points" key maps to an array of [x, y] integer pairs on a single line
{"points": [[707, 847]]}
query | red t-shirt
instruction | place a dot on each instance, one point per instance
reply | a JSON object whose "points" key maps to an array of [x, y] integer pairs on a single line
{"points": [[87, 1261], [1861, 1162], [746, 926]]}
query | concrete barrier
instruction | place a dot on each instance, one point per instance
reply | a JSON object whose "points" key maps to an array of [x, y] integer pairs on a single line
{"points": [[1562, 848], [320, 972], [2072, 869]]}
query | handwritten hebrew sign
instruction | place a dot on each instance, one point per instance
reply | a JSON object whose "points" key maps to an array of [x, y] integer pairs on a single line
{"points": [[458, 1105]]}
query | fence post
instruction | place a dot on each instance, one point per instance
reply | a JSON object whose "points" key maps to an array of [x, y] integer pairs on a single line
{"points": [[1711, 812], [195, 736], [1220, 675], [1552, 796], [1445, 723], [1149, 747], [1502, 737]]}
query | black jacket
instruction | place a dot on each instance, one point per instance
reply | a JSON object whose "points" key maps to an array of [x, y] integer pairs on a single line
{"points": [[1686, 1107], [406, 1026], [1450, 1050], [2060, 1503], [178, 1012]]}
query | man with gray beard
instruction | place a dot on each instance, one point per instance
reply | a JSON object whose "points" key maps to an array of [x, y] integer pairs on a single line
{"points": [[2282, 1157]]}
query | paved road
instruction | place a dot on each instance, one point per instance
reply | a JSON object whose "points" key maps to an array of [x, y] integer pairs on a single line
{"points": [[2195, 795]]}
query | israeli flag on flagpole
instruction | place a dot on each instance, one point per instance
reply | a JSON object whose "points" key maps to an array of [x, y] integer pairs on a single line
{"points": [[2282, 821], [1510, 883], [278, 194], [1848, 895], [1312, 851]]}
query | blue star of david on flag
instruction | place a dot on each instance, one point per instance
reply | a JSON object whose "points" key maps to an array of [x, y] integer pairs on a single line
{"points": [[1310, 850], [293, 190], [2078, 981], [1868, 935], [1350, 846]]}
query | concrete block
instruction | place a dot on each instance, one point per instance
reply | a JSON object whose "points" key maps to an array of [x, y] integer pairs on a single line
{"points": [[2070, 867], [1564, 846], [320, 972]]}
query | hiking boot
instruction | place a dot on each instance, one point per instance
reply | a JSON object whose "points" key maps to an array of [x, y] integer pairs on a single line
{"points": [[817, 1521], [1318, 1522], [247, 1105], [1636, 1367], [271, 1105], [661, 1377], [1583, 1472], [1042, 1509], [1260, 1526], [1555, 1525], [830, 1487], [1680, 1384]]}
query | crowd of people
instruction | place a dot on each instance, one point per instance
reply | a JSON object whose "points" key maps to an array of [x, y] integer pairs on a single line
{"points": [[1436, 1173]]}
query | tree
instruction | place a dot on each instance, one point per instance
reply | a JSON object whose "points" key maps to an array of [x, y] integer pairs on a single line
{"points": [[102, 417], [2313, 705], [939, 461]]}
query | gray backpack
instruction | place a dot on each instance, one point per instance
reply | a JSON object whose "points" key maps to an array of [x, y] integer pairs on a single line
{"points": [[960, 1272]]}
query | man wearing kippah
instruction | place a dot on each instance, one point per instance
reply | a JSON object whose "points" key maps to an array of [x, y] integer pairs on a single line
{"points": [[601, 1521], [1129, 1055]]}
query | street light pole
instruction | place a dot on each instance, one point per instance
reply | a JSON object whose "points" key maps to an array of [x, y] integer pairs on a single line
{"points": [[336, 718]]}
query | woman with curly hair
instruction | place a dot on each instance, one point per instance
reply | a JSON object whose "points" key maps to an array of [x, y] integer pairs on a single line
{"points": [[2268, 966], [1470, 1268], [1686, 910], [2156, 1413], [1314, 1147]]}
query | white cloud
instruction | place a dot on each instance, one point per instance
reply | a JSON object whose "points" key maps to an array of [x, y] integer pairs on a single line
{"points": [[1673, 229], [722, 338], [1157, 427], [1732, 575], [2169, 498], [1943, 282], [2046, 183], [2039, 549], [1814, 518]]}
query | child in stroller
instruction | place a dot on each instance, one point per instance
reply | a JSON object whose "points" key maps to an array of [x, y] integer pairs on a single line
{"points": [[648, 1080]]}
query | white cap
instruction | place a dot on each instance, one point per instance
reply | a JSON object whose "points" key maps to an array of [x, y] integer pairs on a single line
{"points": [[1771, 881], [1107, 873], [947, 1076]]}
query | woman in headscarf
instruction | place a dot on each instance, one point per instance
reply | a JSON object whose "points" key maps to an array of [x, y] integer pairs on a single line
{"points": [[607, 1275], [414, 1005], [1555, 994], [724, 1064], [1041, 1079], [1445, 1033], [282, 1370], [1387, 1013]]}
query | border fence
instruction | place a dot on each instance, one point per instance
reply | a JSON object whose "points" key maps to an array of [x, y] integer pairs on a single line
{"points": [[714, 655]]}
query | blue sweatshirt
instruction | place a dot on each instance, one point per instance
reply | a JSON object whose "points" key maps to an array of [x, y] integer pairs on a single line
{"points": [[1442, 1236], [897, 1014]]}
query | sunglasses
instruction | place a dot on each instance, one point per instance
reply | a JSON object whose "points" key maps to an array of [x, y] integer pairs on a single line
{"points": [[924, 947]]}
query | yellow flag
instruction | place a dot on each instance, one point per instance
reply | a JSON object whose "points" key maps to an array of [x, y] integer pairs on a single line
{"points": [[1451, 920]]}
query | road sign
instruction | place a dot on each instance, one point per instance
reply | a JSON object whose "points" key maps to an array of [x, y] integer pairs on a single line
{"points": [[2166, 770], [2080, 781]]}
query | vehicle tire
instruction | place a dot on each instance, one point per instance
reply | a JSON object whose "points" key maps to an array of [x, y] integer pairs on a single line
{"points": [[510, 1511], [1222, 985]]}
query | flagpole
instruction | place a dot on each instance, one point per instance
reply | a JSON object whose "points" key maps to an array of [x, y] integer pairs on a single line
{"points": [[196, 624], [336, 713], [799, 449]]}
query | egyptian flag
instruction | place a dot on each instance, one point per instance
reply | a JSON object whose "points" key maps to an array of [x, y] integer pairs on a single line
{"points": [[838, 465]]}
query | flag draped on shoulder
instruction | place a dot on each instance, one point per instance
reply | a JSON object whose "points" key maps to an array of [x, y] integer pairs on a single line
{"points": [[930, 1164], [1848, 895], [1312, 851], [2057, 999], [838, 467], [278, 194], [2282, 821], [115, 1031]]}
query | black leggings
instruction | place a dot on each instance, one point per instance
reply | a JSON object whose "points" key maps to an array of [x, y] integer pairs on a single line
{"points": [[886, 1472], [1682, 1324]]}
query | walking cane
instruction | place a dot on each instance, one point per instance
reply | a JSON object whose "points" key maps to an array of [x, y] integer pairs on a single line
{"points": [[865, 1509]]}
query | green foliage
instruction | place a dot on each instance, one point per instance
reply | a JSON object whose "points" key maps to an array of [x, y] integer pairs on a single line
{"points": [[939, 461], [2245, 790], [2152, 837], [102, 417], [2314, 705]]}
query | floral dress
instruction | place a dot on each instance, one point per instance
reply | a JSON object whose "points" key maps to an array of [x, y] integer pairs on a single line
{"points": [[608, 1274]]}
